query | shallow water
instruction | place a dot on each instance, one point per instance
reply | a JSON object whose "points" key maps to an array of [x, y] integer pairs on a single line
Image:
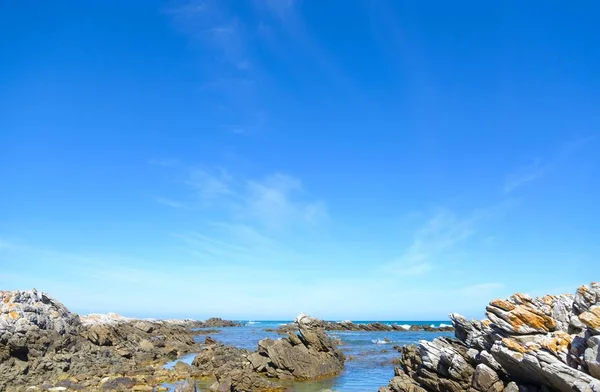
{"points": [[369, 363]]}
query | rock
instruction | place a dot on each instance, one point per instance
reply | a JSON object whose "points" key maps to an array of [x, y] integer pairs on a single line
{"points": [[592, 356], [402, 383], [216, 322], [544, 344], [119, 384], [591, 318], [22, 311], [308, 356], [511, 387], [209, 340], [486, 379], [240, 380], [219, 359], [142, 388], [182, 368], [585, 297], [520, 315], [186, 386], [43, 344], [144, 326]]}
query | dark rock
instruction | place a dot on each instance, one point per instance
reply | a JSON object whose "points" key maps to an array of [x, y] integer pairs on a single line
{"points": [[119, 384]]}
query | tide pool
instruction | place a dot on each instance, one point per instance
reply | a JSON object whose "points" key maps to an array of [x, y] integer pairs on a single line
{"points": [[369, 354]]}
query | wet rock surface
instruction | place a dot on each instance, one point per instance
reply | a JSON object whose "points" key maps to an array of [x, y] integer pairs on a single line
{"points": [[43, 345], [526, 344]]}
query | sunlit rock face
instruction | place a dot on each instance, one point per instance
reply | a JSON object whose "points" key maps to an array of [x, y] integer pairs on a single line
{"points": [[525, 344]]}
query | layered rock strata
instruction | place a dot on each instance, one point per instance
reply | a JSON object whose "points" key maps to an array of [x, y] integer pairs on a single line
{"points": [[526, 344]]}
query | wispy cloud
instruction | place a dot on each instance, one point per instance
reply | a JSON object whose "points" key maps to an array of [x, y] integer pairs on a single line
{"points": [[275, 201], [525, 174], [170, 203], [439, 234], [232, 75], [209, 185], [538, 168]]}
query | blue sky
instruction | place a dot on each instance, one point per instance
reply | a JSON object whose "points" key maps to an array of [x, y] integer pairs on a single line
{"points": [[255, 159]]}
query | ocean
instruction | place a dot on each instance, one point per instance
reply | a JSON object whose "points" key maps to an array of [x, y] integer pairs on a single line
{"points": [[370, 355]]}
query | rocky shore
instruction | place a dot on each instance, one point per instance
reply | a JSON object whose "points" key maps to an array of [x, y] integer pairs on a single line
{"points": [[309, 355], [367, 327], [43, 346], [526, 344]]}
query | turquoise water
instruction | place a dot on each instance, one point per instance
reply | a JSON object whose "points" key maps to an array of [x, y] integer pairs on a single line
{"points": [[369, 368]]}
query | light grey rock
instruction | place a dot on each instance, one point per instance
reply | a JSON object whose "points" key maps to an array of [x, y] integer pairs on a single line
{"points": [[511, 387], [487, 359], [585, 297], [592, 356], [562, 310], [21, 311], [543, 368], [543, 344], [485, 379]]}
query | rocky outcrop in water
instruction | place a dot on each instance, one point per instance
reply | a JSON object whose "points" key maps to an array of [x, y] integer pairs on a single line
{"points": [[308, 355], [526, 344], [43, 344], [368, 327]]}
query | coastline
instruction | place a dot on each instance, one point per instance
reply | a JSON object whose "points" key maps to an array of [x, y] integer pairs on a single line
{"points": [[525, 344]]}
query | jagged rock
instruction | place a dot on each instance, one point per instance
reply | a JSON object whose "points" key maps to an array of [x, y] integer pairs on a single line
{"points": [[511, 387], [585, 297], [186, 386], [402, 383], [486, 379], [23, 311], [219, 359], [592, 356], [43, 344], [119, 384], [520, 314], [216, 322], [241, 380], [591, 318], [310, 355], [550, 343]]}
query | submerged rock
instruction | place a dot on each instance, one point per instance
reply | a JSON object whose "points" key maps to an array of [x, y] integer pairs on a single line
{"points": [[526, 344]]}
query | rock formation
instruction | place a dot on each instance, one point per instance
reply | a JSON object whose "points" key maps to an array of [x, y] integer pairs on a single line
{"points": [[43, 344], [526, 344], [309, 355]]}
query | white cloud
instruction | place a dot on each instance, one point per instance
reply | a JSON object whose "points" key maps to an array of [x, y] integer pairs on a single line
{"points": [[275, 201], [272, 201], [538, 169], [439, 235], [208, 184]]}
